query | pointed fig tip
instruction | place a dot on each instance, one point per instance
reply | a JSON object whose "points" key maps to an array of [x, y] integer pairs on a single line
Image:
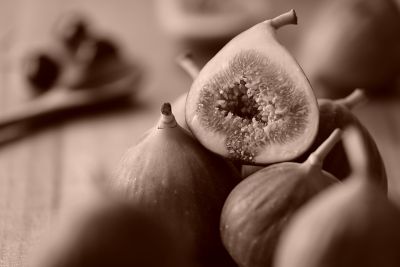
{"points": [[166, 109], [295, 18]]}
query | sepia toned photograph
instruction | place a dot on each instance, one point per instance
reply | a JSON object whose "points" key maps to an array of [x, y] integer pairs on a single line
{"points": [[200, 133]]}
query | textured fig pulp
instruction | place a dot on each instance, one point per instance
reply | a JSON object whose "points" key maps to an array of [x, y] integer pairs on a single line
{"points": [[252, 102]]}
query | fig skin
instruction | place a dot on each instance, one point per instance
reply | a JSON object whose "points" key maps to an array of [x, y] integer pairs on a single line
{"points": [[349, 224], [240, 69], [169, 171], [179, 106], [350, 44], [186, 62], [112, 234], [337, 114], [258, 209]]}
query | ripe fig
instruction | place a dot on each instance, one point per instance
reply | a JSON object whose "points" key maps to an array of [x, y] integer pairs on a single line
{"points": [[337, 114], [252, 102], [350, 224], [258, 209], [112, 234], [347, 40], [186, 62], [169, 171]]}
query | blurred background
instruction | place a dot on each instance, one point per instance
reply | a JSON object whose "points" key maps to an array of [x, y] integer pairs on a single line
{"points": [[49, 164]]}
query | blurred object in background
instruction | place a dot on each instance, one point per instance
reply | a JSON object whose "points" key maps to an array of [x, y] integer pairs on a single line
{"points": [[208, 20], [41, 71], [352, 44], [72, 29], [91, 57], [86, 57], [81, 69], [110, 233]]}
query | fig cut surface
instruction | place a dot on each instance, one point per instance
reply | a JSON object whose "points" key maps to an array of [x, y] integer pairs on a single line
{"points": [[252, 102]]}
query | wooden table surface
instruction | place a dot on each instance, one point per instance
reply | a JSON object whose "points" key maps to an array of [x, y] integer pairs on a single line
{"points": [[52, 169]]}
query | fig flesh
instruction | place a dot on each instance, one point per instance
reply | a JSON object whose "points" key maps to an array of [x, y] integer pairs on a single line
{"points": [[349, 224], [258, 208], [252, 102], [170, 172]]}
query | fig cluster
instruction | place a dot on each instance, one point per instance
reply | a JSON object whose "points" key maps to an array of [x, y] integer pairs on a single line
{"points": [[178, 198], [273, 196]]}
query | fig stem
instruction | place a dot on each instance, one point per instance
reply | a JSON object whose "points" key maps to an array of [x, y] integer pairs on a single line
{"points": [[166, 109], [185, 61], [167, 119], [287, 18], [356, 151], [317, 157], [356, 98]]}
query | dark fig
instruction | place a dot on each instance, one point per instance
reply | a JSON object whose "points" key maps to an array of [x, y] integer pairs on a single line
{"points": [[170, 172], [337, 114], [258, 209], [350, 224], [252, 102]]}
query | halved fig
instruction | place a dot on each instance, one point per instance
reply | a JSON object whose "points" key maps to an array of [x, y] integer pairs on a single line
{"points": [[252, 102]]}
